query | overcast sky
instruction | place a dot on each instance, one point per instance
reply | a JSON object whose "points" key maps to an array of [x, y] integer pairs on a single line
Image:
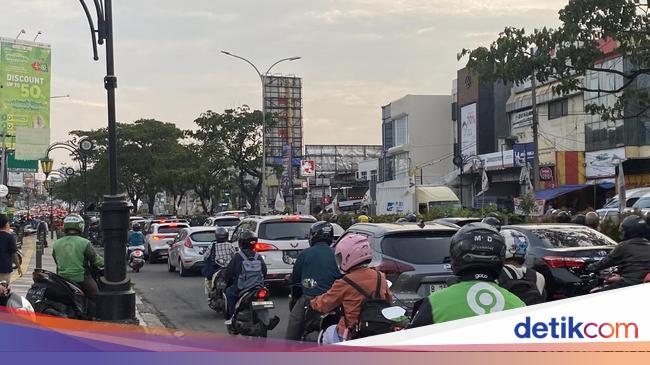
{"points": [[357, 55]]}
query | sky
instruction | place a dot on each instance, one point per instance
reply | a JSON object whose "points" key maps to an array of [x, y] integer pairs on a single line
{"points": [[357, 55]]}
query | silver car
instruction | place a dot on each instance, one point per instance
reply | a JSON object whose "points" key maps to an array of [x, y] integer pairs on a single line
{"points": [[187, 249]]}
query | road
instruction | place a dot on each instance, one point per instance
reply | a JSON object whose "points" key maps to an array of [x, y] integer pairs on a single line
{"points": [[181, 302]]}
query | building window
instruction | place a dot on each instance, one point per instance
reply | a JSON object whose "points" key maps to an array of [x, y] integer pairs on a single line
{"points": [[373, 175], [388, 135], [401, 165], [364, 175], [558, 109], [401, 131]]}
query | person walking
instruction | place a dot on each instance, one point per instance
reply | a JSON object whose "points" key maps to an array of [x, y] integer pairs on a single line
{"points": [[8, 251]]}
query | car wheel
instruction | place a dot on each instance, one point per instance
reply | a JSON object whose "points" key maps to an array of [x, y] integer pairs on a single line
{"points": [[150, 258], [170, 267], [181, 270]]}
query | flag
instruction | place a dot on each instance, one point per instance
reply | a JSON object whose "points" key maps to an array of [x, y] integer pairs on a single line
{"points": [[367, 199], [279, 202], [620, 188], [485, 183], [524, 179], [335, 205]]}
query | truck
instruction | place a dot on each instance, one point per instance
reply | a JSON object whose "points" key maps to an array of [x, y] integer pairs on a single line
{"points": [[400, 198]]}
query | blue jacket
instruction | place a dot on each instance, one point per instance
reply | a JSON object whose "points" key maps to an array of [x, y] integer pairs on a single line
{"points": [[136, 238], [318, 263]]}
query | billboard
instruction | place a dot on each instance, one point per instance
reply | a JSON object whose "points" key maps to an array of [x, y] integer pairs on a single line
{"points": [[468, 130], [283, 105], [599, 164], [524, 152], [25, 96], [307, 168]]}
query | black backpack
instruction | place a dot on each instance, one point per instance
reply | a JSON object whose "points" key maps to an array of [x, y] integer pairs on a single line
{"points": [[371, 321], [525, 288]]}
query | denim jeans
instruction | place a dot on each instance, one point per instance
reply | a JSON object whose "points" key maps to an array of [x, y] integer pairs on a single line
{"points": [[232, 293]]}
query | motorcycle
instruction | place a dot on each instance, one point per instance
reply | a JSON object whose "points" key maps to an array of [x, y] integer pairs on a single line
{"points": [[136, 257], [251, 316], [54, 295], [13, 302], [215, 292]]}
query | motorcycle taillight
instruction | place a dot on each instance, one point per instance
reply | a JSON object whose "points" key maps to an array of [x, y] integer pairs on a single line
{"points": [[262, 294]]}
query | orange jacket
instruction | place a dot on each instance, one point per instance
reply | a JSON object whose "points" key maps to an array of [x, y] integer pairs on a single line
{"points": [[342, 294]]}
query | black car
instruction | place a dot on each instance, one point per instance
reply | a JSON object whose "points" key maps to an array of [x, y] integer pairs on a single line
{"points": [[561, 252]]}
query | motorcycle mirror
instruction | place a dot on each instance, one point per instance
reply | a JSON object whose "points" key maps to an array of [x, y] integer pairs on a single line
{"points": [[389, 283], [393, 313], [309, 283]]}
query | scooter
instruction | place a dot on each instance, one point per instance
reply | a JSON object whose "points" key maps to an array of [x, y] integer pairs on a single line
{"points": [[13, 302], [251, 316], [215, 293], [136, 257]]}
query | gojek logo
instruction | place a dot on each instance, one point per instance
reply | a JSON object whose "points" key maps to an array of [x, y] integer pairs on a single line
{"points": [[569, 327], [484, 298]]}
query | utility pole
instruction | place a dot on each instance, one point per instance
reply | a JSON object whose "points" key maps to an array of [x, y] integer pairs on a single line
{"points": [[533, 95]]}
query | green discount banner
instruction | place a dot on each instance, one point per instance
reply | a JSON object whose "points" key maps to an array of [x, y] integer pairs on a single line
{"points": [[24, 85]]}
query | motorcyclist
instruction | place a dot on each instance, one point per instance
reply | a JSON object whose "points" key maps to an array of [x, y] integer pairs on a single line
{"points": [[526, 283], [477, 252], [492, 221], [136, 238], [217, 256], [353, 255], [631, 256], [579, 219], [76, 258], [363, 217], [592, 220], [246, 241], [563, 217], [316, 263]]}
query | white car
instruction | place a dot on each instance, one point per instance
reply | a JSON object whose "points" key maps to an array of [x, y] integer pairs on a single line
{"points": [[158, 236], [638, 198], [280, 239]]}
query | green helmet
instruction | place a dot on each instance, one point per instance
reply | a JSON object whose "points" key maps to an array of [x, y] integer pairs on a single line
{"points": [[73, 222]]}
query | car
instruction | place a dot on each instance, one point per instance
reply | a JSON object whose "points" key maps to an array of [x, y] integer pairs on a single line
{"points": [[236, 213], [414, 258], [632, 196], [561, 252], [229, 222], [187, 249], [338, 231], [280, 239], [157, 237]]}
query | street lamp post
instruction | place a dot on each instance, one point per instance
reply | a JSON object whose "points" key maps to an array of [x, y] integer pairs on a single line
{"points": [[116, 299], [49, 186], [46, 166], [262, 76]]}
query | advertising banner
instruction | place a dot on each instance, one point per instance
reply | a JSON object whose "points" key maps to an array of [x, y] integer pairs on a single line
{"points": [[25, 96], [307, 168], [468, 130], [524, 152], [15, 179], [522, 119], [603, 163], [497, 160], [538, 211]]}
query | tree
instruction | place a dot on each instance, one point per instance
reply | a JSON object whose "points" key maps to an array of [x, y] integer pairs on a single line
{"points": [[566, 54]]}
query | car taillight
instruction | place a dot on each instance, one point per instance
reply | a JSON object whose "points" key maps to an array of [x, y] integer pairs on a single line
{"points": [[568, 262], [188, 243], [156, 237], [261, 247], [390, 267], [262, 294]]}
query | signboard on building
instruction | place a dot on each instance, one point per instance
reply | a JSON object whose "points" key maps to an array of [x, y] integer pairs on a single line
{"points": [[21, 165], [468, 140], [522, 119], [497, 160], [25, 96], [524, 152], [599, 164], [307, 168], [15, 179]]}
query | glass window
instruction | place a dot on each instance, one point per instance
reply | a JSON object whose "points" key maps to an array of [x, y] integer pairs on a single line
{"points": [[373, 175], [226, 222], [401, 165], [401, 131], [558, 109], [571, 237], [364, 175], [421, 248], [207, 236], [285, 230]]}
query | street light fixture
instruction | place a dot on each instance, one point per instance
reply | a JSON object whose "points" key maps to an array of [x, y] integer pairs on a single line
{"points": [[263, 197], [46, 166]]}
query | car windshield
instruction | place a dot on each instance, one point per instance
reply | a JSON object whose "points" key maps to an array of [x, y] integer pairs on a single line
{"points": [[226, 222], [420, 248], [171, 229], [206, 236], [571, 237], [285, 230]]}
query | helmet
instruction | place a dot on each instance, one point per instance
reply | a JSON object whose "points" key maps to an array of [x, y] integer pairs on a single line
{"points": [[516, 244], [221, 234], [411, 217], [492, 215], [247, 239], [592, 220], [401, 220], [492, 221], [321, 232], [73, 223], [352, 250], [633, 226], [563, 217], [579, 219], [363, 219], [136, 226], [478, 247]]}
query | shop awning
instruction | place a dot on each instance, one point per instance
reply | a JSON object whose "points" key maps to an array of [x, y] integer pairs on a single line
{"points": [[425, 194], [549, 194]]}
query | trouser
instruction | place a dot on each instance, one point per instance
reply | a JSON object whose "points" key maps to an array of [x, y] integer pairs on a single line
{"points": [[89, 286], [5, 277], [296, 324], [232, 293]]}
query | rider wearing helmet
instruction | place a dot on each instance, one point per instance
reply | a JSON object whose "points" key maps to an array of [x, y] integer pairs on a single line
{"points": [[592, 220], [74, 254], [316, 263], [631, 256], [247, 240], [521, 281], [563, 217], [492, 221], [136, 238], [217, 256], [363, 217], [353, 255], [477, 251], [579, 219]]}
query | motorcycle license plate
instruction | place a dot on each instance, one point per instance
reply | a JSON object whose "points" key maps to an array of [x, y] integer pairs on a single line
{"points": [[263, 305], [290, 256], [436, 287], [36, 293]]}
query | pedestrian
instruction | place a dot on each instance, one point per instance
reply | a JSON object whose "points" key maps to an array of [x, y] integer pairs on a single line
{"points": [[8, 251]]}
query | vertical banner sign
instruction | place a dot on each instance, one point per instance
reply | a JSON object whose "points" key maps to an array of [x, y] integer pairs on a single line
{"points": [[25, 96], [468, 138]]}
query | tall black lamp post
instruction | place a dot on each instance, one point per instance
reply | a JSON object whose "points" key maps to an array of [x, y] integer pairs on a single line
{"points": [[116, 299], [49, 186]]}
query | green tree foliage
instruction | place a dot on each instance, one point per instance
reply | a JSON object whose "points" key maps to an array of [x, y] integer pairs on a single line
{"points": [[566, 53]]}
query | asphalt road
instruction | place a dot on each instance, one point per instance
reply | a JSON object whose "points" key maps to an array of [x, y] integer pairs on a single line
{"points": [[181, 302]]}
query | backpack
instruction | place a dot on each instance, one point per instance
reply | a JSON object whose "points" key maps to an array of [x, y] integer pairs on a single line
{"points": [[525, 288], [251, 275], [371, 320]]}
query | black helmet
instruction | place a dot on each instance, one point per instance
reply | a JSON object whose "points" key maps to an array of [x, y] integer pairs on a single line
{"points": [[321, 232], [580, 219], [411, 217], [221, 234], [492, 215], [633, 226], [492, 221], [247, 239], [563, 217], [136, 226], [477, 247]]}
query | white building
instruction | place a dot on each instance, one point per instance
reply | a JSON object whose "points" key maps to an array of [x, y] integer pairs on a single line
{"points": [[367, 170]]}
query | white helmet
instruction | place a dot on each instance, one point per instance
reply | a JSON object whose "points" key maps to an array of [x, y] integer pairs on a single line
{"points": [[516, 244]]}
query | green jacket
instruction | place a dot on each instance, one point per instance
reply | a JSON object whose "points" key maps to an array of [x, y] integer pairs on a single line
{"points": [[73, 255]]}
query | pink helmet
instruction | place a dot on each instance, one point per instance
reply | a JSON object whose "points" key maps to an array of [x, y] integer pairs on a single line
{"points": [[352, 250]]}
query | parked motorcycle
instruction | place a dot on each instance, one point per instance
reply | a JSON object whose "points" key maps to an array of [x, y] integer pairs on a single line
{"points": [[136, 257], [251, 316]]}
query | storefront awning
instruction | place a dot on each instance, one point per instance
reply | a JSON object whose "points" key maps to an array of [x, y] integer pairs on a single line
{"points": [[549, 194], [425, 194]]}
